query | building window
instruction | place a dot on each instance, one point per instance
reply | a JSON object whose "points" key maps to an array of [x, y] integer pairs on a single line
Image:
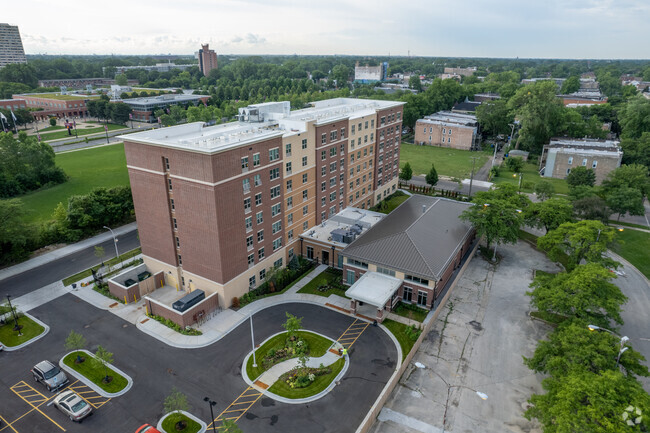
{"points": [[175, 224], [274, 154], [289, 185], [275, 209], [251, 282], [274, 173], [262, 274], [178, 242], [247, 204], [304, 178], [304, 195], [333, 135], [584, 162], [278, 263], [372, 123], [417, 280], [258, 199], [593, 165], [310, 253], [322, 216], [246, 184], [251, 260], [249, 223], [323, 171], [323, 186], [386, 271], [570, 161], [257, 180], [305, 210], [363, 265], [290, 255], [249, 242], [256, 159], [290, 219], [172, 204], [244, 164], [349, 277], [332, 167], [259, 217], [180, 260], [352, 129], [288, 167], [322, 201], [277, 244], [290, 234], [332, 182], [304, 143], [422, 298], [169, 183], [323, 138], [260, 254], [304, 161], [366, 125], [332, 151], [167, 164], [407, 294], [342, 133], [260, 236], [287, 149], [275, 192], [289, 202], [333, 196], [323, 155], [305, 225]]}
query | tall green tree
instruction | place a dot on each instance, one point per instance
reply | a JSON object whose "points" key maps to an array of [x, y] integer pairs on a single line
{"points": [[549, 214], [432, 176], [544, 190], [414, 82], [585, 292], [582, 240], [16, 235], [630, 176], [570, 85], [636, 150], [407, 172], [625, 200], [494, 117], [581, 176], [634, 117]]}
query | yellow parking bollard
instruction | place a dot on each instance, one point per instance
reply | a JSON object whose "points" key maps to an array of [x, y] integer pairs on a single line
{"points": [[134, 298], [125, 299]]}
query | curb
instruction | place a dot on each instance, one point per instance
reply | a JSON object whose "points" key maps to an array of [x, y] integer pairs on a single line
{"points": [[276, 397], [32, 340], [90, 384], [628, 264], [203, 425]]}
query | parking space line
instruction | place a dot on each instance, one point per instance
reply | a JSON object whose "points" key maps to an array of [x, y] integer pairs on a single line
{"points": [[7, 424], [18, 385], [240, 405], [89, 395], [354, 331]]}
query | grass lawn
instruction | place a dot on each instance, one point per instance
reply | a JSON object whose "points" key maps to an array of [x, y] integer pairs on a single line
{"points": [[448, 162], [95, 373], [391, 202], [319, 384], [90, 168], [80, 131], [30, 329], [169, 424], [317, 347], [531, 177], [411, 311], [399, 330], [624, 224], [324, 278], [634, 246]]}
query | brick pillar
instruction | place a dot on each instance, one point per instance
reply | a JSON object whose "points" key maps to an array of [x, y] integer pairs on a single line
{"points": [[353, 306]]}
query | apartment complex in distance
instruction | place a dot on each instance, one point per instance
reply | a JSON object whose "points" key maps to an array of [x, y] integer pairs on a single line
{"points": [[219, 206], [11, 46], [448, 129], [563, 154], [207, 59]]}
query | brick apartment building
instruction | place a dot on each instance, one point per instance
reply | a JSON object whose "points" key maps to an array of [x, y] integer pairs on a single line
{"points": [[207, 59], [219, 206], [563, 154], [448, 129], [12, 104]]}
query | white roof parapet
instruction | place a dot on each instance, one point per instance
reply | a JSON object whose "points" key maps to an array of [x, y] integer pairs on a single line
{"points": [[374, 288]]}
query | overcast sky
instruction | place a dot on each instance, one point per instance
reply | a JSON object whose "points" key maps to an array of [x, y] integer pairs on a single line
{"points": [[460, 28]]}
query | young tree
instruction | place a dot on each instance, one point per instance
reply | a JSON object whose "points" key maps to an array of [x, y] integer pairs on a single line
{"points": [[432, 176], [176, 402], [549, 214], [99, 252], [292, 325], [496, 219], [572, 346], [52, 121], [121, 80], [584, 240], [625, 200], [407, 172], [581, 176], [515, 163], [104, 357], [544, 190], [585, 293], [414, 82], [229, 426], [631, 176], [592, 208], [75, 342]]}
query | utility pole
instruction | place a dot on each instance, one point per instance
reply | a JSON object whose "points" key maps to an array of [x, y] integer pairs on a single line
{"points": [[471, 178]]}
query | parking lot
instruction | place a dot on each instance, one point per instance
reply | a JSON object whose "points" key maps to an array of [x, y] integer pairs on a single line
{"points": [[213, 371]]}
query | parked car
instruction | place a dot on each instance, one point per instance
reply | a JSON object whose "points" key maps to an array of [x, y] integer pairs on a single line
{"points": [[147, 428], [50, 375], [73, 406]]}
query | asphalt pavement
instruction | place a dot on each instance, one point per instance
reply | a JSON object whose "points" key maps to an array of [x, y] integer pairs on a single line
{"points": [[213, 371]]}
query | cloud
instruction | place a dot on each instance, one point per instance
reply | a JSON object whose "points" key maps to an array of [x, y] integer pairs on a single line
{"points": [[236, 39], [254, 39]]}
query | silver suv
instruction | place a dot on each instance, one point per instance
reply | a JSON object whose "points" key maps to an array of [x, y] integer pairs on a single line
{"points": [[50, 375]]}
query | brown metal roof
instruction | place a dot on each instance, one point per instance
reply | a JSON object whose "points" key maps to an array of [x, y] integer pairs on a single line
{"points": [[419, 237]]}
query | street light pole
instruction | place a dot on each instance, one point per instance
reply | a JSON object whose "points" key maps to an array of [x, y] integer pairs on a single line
{"points": [[624, 339], [212, 404], [471, 178], [17, 327], [253, 340], [117, 254]]}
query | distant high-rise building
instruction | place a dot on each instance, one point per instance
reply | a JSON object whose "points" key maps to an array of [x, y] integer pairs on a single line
{"points": [[11, 46], [207, 59]]}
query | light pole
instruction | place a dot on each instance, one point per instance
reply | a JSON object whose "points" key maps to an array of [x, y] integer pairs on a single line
{"points": [[482, 395], [471, 178], [117, 254], [17, 327], [521, 176], [212, 404], [253, 340], [622, 348]]}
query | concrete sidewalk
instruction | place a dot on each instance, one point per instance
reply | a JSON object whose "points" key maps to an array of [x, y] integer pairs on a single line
{"points": [[62, 252]]}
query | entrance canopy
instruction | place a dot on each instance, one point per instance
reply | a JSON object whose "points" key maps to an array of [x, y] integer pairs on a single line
{"points": [[374, 288]]}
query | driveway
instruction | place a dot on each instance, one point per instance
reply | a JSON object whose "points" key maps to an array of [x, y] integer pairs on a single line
{"points": [[477, 344]]}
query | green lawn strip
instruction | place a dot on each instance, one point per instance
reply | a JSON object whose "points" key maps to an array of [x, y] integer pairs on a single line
{"points": [[623, 223], [317, 347], [87, 169], [30, 329], [95, 372], [448, 162], [634, 246], [531, 175], [319, 384], [169, 424], [411, 311], [80, 131], [324, 278], [391, 202], [399, 330], [110, 262]]}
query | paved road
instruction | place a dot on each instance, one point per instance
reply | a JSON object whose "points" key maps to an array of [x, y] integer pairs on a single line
{"points": [[27, 281], [213, 371]]}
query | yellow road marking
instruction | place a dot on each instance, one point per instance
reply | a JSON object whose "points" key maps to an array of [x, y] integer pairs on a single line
{"points": [[353, 332], [242, 410], [7, 425], [32, 405]]}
